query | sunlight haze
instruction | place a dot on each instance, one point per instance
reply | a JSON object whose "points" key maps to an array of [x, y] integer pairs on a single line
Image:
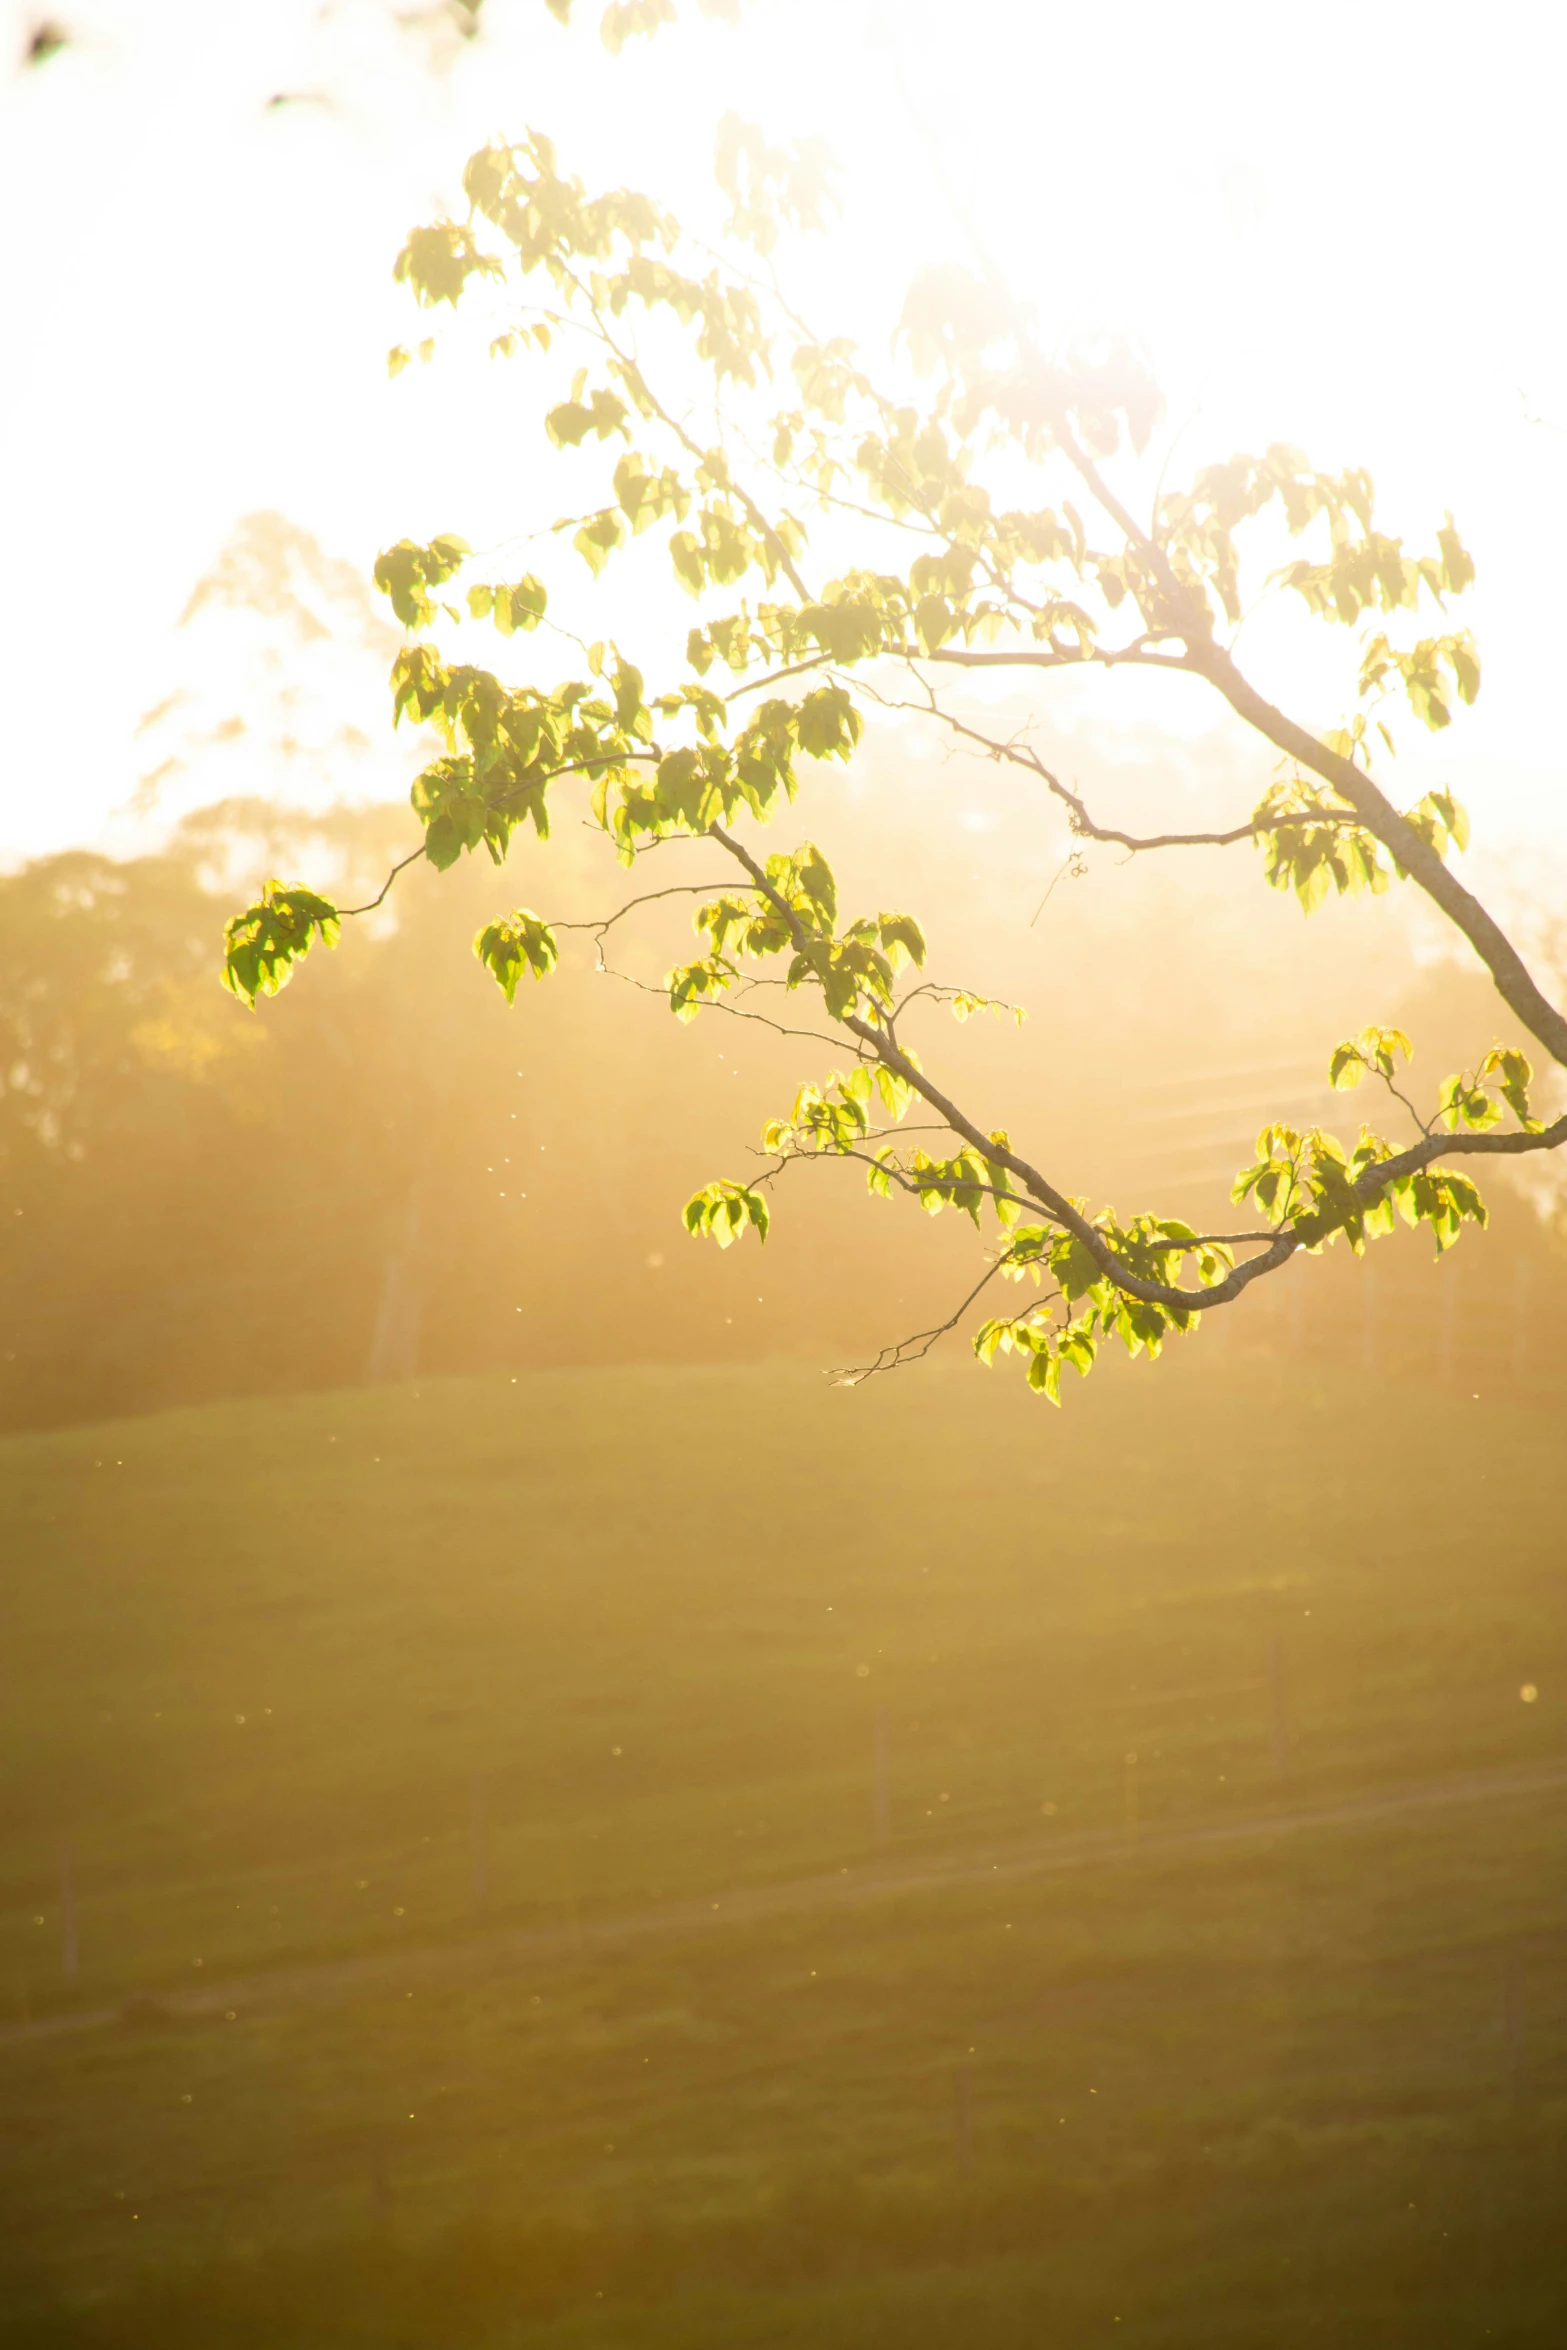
{"points": [[1330, 228]]}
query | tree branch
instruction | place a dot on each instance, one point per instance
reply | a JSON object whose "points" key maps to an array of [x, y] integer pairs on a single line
{"points": [[1083, 825], [1514, 982], [1186, 606], [1044, 1194], [1027, 657], [754, 685]]}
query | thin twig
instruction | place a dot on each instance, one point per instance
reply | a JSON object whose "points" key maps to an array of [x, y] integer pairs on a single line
{"points": [[716, 1004], [776, 677], [679, 889], [412, 858], [915, 1348], [1075, 867]]}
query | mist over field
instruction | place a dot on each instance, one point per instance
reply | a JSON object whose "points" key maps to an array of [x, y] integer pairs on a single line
{"points": [[389, 1171]]}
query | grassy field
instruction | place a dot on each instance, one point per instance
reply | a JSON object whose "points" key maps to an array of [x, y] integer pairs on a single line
{"points": [[552, 1862]]}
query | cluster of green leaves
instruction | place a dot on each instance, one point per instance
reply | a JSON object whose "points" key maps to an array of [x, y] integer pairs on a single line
{"points": [[853, 968], [835, 1116], [711, 781], [722, 1211], [406, 573], [608, 254], [514, 606], [1309, 1183], [599, 256], [770, 187], [1150, 1248], [1421, 669], [261, 945], [967, 1181], [1364, 570], [1470, 1098], [1313, 842], [516, 943], [1375, 1052], [505, 746], [963, 1004], [983, 573], [1440, 820]]}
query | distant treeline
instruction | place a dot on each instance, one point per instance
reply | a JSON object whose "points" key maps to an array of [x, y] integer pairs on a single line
{"points": [[385, 1171]]}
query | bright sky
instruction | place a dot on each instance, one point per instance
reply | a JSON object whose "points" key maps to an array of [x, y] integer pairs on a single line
{"points": [[1340, 226]]}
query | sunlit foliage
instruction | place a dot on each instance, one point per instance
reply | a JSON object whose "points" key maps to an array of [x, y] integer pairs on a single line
{"points": [[707, 415]]}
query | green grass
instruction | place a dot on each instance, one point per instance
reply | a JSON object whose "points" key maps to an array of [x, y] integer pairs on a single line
{"points": [[344, 1680]]}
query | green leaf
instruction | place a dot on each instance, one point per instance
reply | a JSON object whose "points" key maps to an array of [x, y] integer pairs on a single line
{"points": [[935, 621], [902, 938], [828, 725], [685, 553], [1457, 567], [1513, 1073], [598, 538]]}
